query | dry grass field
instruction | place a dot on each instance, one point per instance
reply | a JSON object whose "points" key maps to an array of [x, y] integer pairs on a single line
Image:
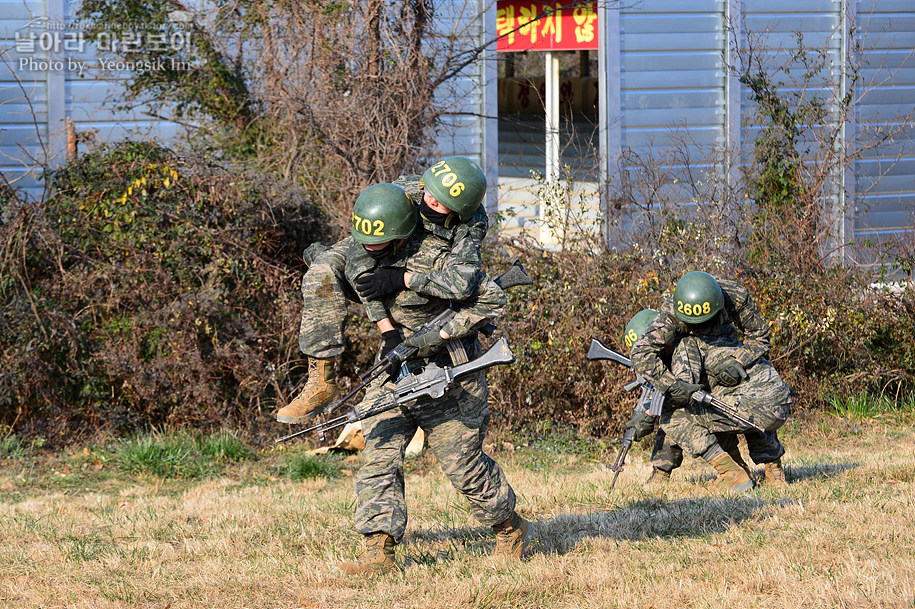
{"points": [[86, 530]]}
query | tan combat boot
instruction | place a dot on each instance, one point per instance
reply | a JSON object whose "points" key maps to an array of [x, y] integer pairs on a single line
{"points": [[657, 477], [738, 459], [775, 474], [378, 558], [511, 537], [320, 389], [731, 477]]}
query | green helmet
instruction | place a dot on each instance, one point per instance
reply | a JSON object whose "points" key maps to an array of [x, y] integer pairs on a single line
{"points": [[697, 298], [637, 326], [457, 183], [383, 212]]}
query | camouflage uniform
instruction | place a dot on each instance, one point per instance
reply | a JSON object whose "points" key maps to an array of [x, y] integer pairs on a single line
{"points": [[325, 290], [763, 398], [455, 425]]}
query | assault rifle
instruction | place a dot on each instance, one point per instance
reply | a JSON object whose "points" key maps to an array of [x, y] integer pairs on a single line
{"points": [[729, 410], [514, 276], [651, 400], [600, 351], [432, 383]]}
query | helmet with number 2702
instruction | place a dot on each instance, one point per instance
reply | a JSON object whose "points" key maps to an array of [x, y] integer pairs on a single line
{"points": [[382, 213]]}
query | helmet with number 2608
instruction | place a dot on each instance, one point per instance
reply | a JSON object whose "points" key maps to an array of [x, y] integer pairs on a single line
{"points": [[697, 298]]}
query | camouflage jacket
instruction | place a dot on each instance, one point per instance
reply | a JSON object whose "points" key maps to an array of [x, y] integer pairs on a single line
{"points": [[425, 252], [740, 314], [460, 275]]}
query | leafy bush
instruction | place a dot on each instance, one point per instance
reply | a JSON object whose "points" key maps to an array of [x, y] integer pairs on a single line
{"points": [[150, 289], [831, 334]]}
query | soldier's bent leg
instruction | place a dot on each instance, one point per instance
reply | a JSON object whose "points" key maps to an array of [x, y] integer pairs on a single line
{"points": [[665, 457], [455, 428], [730, 444], [380, 503], [764, 447], [324, 295]]}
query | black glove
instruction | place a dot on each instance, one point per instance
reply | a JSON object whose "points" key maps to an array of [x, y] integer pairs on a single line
{"points": [[642, 423], [426, 343], [729, 372], [681, 391], [380, 282], [391, 340]]}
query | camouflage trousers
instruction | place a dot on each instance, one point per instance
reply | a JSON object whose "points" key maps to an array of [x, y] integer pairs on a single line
{"points": [[667, 456], [325, 293], [763, 398], [454, 427]]}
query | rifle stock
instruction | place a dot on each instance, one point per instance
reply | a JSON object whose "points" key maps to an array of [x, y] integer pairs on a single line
{"points": [[433, 382], [515, 275], [599, 350]]}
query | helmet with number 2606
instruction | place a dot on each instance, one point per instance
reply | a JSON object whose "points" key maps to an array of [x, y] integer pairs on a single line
{"points": [[457, 183], [637, 326], [697, 298], [382, 213]]}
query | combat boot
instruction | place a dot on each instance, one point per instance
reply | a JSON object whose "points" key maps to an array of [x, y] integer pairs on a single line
{"points": [[657, 477], [378, 558], [775, 474], [738, 459], [320, 388], [511, 537], [731, 477]]}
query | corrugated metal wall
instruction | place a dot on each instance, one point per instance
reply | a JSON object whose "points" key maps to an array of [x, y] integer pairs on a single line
{"points": [[674, 84], [50, 73], [92, 100], [672, 80], [885, 177], [470, 97], [24, 115]]}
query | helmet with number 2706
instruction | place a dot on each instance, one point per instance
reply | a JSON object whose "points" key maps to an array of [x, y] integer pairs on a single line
{"points": [[457, 183]]}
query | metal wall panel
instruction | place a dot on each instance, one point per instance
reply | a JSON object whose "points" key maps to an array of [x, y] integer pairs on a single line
{"points": [[672, 78], [36, 99], [885, 177]]}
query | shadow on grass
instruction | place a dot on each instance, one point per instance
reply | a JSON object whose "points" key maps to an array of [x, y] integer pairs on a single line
{"points": [[637, 520], [647, 519], [818, 471]]}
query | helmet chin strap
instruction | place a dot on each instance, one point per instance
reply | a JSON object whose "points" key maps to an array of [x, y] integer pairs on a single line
{"points": [[436, 217]]}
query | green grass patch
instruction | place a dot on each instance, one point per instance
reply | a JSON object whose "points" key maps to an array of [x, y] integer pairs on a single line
{"points": [[224, 447], [868, 406], [305, 466], [11, 446], [178, 454]]}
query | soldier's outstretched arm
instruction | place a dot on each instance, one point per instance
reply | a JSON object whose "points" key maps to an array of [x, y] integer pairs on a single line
{"points": [[484, 306]]}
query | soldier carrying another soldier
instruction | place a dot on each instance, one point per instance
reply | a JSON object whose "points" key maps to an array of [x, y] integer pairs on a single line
{"points": [[452, 212], [388, 241], [702, 321], [666, 456]]}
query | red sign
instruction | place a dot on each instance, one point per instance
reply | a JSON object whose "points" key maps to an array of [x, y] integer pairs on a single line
{"points": [[566, 25]]}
